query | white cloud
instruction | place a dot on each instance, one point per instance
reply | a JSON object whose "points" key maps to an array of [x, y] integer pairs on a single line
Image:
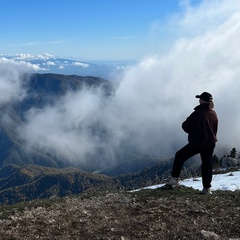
{"points": [[67, 125], [50, 63], [23, 56], [207, 16], [20, 65], [30, 44], [45, 56], [80, 64], [11, 88]]}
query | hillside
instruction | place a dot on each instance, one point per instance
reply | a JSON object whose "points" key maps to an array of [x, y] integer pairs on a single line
{"points": [[147, 214], [41, 90], [31, 182]]}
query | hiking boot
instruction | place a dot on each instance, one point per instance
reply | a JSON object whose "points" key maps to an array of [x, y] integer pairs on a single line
{"points": [[206, 191], [172, 181]]}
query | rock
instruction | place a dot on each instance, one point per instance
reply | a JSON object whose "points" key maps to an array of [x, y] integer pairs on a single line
{"points": [[209, 235]]}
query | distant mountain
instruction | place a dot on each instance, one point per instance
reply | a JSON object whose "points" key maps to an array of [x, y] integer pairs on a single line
{"points": [[30, 182], [33, 182], [47, 63], [42, 89], [131, 165]]}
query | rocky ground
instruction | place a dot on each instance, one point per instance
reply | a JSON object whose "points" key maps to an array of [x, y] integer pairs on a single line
{"points": [[146, 214]]}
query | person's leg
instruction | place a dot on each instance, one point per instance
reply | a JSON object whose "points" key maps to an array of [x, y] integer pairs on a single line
{"points": [[181, 157], [206, 156]]}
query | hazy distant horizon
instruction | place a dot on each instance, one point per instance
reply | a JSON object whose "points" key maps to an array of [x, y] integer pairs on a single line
{"points": [[47, 63]]}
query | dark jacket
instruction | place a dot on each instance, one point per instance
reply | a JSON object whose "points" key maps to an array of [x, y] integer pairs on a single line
{"points": [[202, 126]]}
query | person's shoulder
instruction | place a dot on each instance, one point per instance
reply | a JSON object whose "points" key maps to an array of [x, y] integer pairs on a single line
{"points": [[200, 108], [213, 112]]}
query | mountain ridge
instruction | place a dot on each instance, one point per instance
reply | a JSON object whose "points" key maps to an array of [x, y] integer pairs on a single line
{"points": [[31, 182], [42, 89]]}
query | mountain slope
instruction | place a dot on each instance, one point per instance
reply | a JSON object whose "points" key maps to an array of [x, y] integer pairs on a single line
{"points": [[32, 182], [42, 90]]}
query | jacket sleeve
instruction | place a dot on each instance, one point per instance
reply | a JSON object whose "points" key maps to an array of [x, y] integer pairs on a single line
{"points": [[189, 125]]}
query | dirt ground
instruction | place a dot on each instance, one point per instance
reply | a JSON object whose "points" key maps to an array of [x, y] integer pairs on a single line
{"points": [[146, 214]]}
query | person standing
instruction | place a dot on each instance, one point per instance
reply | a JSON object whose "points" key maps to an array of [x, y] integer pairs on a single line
{"points": [[201, 127]]}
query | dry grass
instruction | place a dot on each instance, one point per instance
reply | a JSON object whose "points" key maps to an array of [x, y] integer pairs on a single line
{"points": [[148, 214]]}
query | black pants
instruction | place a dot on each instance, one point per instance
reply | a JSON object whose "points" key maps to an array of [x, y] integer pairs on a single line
{"points": [[189, 151]]}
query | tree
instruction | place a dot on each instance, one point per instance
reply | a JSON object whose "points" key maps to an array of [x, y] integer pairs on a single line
{"points": [[216, 162], [233, 153]]}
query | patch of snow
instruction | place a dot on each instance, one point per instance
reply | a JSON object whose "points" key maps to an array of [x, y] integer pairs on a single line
{"points": [[224, 182]]}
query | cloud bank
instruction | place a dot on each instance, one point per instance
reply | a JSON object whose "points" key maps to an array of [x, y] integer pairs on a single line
{"points": [[154, 97], [11, 86]]}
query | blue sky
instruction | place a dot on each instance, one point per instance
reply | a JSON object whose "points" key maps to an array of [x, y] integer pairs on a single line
{"points": [[86, 29]]}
